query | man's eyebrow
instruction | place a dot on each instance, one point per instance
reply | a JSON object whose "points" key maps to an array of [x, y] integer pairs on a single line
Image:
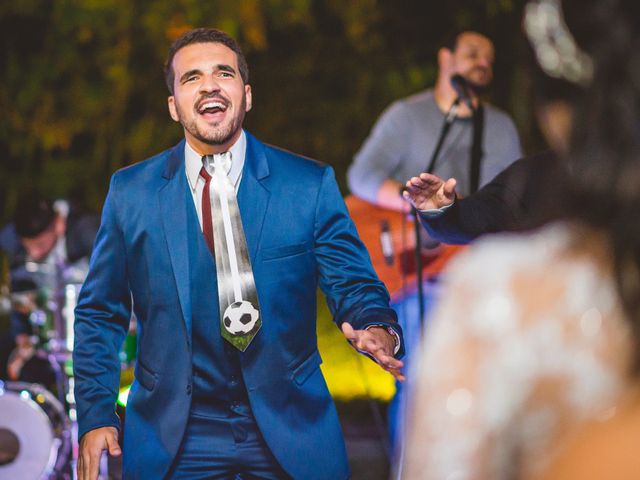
{"points": [[187, 74], [226, 68], [196, 71]]}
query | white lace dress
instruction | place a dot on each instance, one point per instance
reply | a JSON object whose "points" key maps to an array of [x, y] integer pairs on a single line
{"points": [[527, 342]]}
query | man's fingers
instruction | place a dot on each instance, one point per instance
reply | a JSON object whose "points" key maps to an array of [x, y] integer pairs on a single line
{"points": [[387, 361], [450, 187], [94, 465], [379, 353], [365, 342], [424, 182], [391, 365], [92, 444], [348, 331], [89, 464], [113, 446], [397, 374], [418, 197]]}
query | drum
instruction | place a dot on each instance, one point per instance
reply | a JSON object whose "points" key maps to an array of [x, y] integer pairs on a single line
{"points": [[35, 433]]}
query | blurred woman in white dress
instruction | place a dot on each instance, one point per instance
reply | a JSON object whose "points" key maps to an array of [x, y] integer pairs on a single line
{"points": [[537, 334]]}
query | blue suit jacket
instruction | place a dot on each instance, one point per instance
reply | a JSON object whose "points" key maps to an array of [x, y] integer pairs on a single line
{"points": [[299, 235]]}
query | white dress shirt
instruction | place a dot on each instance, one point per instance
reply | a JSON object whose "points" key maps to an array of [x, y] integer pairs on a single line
{"points": [[193, 164]]}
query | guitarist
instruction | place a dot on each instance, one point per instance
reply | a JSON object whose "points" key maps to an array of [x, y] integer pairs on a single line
{"points": [[404, 137], [445, 130]]}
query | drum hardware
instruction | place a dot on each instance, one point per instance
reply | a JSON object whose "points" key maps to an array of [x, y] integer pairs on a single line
{"points": [[50, 308], [35, 433], [41, 414], [5, 300]]}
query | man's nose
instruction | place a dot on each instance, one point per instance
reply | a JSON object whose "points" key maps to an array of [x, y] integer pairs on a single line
{"points": [[485, 62], [209, 84], [36, 253]]}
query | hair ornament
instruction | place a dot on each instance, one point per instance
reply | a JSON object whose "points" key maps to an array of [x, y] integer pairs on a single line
{"points": [[556, 50]]}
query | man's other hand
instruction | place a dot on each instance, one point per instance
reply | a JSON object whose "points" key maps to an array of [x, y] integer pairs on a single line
{"points": [[429, 192], [378, 343], [92, 445]]}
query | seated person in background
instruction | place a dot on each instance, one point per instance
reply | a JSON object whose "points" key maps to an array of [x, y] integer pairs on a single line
{"points": [[47, 242], [537, 334]]}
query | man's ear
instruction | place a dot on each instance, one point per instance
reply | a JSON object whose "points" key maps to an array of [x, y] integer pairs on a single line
{"points": [[248, 97], [171, 103]]}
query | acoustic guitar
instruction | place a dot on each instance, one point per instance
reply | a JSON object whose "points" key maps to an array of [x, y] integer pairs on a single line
{"points": [[390, 239]]}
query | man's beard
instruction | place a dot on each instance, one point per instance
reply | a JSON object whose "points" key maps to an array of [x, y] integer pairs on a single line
{"points": [[216, 134], [478, 88]]}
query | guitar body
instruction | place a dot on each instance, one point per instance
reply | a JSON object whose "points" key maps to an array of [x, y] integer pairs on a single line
{"points": [[396, 269]]}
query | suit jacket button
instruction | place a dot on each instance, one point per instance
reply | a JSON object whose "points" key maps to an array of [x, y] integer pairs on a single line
{"points": [[189, 389]]}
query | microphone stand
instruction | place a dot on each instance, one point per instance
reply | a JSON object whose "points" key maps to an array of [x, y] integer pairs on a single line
{"points": [[448, 121]]}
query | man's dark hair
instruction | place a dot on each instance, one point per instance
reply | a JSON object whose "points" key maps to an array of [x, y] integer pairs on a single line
{"points": [[450, 42], [204, 35], [33, 215]]}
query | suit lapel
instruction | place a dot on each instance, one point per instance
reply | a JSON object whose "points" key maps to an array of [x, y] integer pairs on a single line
{"points": [[253, 200], [253, 196], [173, 204]]}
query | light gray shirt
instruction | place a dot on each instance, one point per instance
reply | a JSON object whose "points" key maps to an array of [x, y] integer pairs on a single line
{"points": [[403, 139]]}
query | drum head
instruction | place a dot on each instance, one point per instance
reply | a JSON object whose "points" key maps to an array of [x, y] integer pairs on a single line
{"points": [[26, 435]]}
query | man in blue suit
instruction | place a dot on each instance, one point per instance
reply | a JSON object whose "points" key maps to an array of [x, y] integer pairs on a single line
{"points": [[199, 407]]}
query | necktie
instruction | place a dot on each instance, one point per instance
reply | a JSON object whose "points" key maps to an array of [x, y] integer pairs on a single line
{"points": [[207, 227], [239, 309]]}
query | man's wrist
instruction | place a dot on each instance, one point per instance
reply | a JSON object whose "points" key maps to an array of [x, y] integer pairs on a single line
{"points": [[435, 212]]}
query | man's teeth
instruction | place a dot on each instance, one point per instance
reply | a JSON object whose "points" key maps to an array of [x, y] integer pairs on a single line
{"points": [[212, 105]]}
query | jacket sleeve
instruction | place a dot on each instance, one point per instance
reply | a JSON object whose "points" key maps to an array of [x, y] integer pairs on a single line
{"points": [[501, 205], [354, 292], [101, 321]]}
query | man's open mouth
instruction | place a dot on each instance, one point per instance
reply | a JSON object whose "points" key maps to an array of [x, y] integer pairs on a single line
{"points": [[212, 106]]}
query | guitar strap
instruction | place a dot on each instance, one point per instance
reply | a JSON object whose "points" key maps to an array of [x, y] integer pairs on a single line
{"points": [[476, 153], [474, 177], [476, 148], [446, 125]]}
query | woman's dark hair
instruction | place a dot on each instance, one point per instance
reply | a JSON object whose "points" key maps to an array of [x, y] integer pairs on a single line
{"points": [[604, 158]]}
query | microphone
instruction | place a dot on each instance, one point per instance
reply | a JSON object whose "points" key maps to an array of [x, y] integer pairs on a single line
{"points": [[462, 88]]}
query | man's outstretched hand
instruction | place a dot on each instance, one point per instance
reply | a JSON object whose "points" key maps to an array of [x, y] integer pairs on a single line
{"points": [[428, 192], [378, 343], [91, 446]]}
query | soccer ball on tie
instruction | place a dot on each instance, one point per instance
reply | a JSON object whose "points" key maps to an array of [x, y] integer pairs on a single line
{"points": [[240, 317]]}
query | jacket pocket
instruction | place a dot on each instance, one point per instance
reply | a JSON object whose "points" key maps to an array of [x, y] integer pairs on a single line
{"points": [[308, 366], [145, 377], [273, 253]]}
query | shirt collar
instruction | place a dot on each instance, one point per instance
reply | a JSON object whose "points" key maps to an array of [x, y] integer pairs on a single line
{"points": [[193, 161]]}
